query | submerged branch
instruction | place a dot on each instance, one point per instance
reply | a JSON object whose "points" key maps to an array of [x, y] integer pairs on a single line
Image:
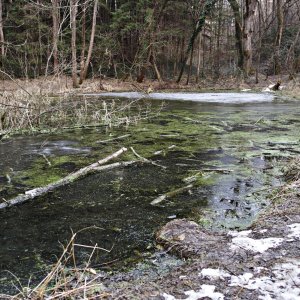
{"points": [[171, 194], [98, 166], [114, 139], [146, 160]]}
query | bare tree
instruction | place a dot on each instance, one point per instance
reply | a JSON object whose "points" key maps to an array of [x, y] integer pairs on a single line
{"points": [[279, 11], [73, 14], [85, 64], [1, 31], [238, 22], [207, 9], [55, 31], [248, 29]]}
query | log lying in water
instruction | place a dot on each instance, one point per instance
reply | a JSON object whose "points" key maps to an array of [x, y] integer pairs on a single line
{"points": [[95, 167]]}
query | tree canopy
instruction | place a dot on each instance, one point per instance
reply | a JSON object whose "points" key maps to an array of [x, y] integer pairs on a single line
{"points": [[160, 39]]}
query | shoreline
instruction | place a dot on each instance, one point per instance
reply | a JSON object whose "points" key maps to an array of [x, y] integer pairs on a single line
{"points": [[59, 86]]}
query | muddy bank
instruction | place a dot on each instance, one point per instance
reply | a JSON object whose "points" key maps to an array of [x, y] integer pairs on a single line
{"points": [[262, 262]]}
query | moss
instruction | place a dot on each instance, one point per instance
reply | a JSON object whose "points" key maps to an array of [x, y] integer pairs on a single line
{"points": [[41, 174]]}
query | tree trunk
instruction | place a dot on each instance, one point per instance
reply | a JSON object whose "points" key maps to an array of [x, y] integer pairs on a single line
{"points": [[238, 31], [91, 45], [199, 60], [208, 7], [55, 29], [277, 66], [249, 16], [1, 31], [190, 66], [83, 37], [73, 14]]}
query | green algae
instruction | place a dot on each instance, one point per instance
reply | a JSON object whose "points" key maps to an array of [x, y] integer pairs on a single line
{"points": [[40, 173], [234, 154]]}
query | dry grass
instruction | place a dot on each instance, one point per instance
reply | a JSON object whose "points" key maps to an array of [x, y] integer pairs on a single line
{"points": [[284, 199], [66, 280], [33, 106], [292, 170]]}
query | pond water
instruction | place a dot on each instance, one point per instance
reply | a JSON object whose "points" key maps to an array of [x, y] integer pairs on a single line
{"points": [[234, 151]]}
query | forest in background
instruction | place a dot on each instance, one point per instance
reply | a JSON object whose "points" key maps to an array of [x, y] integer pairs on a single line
{"points": [[154, 39]]}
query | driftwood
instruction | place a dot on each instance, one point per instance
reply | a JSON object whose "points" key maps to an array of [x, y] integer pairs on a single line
{"points": [[98, 166], [171, 194]]}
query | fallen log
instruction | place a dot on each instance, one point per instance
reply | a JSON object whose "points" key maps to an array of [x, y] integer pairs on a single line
{"points": [[95, 167], [171, 194]]}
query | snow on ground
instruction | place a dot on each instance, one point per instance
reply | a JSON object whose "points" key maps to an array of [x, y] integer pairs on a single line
{"points": [[280, 281], [295, 231], [205, 291], [254, 245], [282, 284]]}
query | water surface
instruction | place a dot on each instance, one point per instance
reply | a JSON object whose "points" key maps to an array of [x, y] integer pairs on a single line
{"points": [[235, 151]]}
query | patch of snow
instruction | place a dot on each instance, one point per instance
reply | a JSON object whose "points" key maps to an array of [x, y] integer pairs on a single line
{"points": [[206, 291], [239, 233], [263, 231], [282, 284], [258, 270], [240, 280], [214, 273], [260, 245], [295, 229], [168, 297], [266, 90]]}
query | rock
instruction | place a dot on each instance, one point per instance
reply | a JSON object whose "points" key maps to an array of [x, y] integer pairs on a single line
{"points": [[187, 239]]}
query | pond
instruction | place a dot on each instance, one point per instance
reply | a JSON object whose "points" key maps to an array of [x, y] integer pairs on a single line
{"points": [[234, 152]]}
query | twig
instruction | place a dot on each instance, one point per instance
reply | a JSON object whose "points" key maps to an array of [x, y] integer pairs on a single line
{"points": [[146, 160], [113, 139], [15, 82], [46, 159], [92, 247]]}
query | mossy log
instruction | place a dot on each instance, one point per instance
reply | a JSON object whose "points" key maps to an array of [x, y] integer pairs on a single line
{"points": [[95, 167]]}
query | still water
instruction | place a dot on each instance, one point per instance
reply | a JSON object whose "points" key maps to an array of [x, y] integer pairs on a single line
{"points": [[234, 150]]}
